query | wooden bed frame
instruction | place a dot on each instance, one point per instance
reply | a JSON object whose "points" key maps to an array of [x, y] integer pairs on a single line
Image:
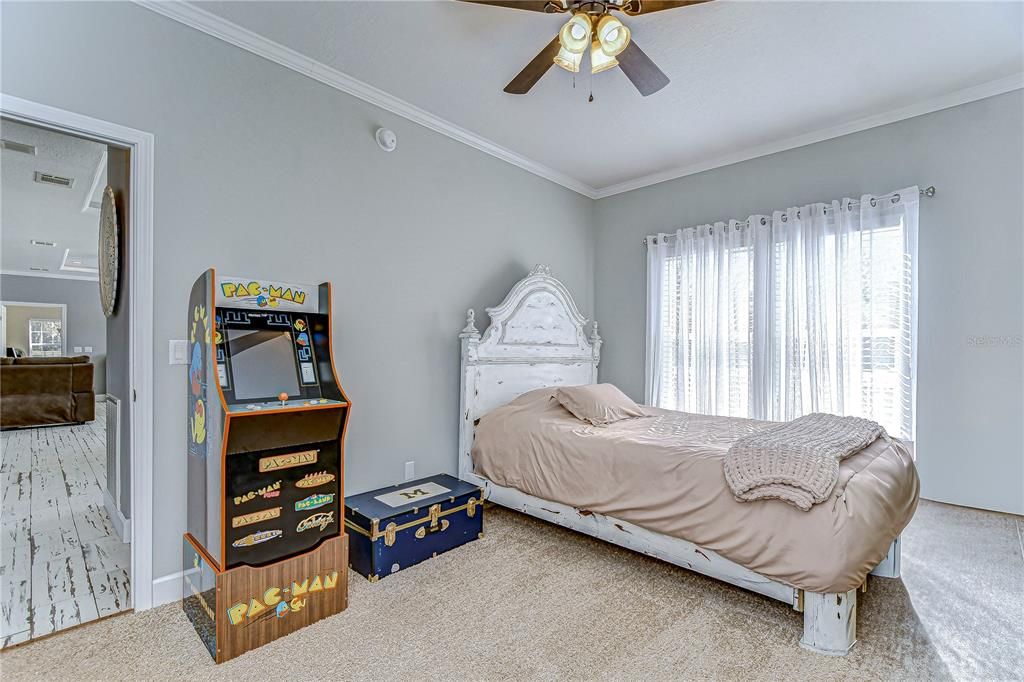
{"points": [[537, 339]]}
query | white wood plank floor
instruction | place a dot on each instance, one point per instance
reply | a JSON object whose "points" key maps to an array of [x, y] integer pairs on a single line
{"points": [[61, 562]]}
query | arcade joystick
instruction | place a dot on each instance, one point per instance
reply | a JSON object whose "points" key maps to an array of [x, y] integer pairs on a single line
{"points": [[283, 397]]}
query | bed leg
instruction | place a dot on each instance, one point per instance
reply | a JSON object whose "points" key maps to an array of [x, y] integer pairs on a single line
{"points": [[889, 567], [830, 622]]}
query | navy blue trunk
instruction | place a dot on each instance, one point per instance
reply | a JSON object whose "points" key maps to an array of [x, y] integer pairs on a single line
{"points": [[399, 526]]}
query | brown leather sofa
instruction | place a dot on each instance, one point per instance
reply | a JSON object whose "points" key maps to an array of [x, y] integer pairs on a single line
{"points": [[45, 391]]}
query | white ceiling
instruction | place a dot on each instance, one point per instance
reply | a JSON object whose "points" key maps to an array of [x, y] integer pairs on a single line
{"points": [[31, 210], [745, 75]]}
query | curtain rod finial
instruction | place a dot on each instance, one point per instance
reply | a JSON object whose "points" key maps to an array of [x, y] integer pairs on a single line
{"points": [[929, 191]]}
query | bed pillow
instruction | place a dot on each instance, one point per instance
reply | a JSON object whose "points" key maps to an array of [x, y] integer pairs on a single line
{"points": [[598, 404]]}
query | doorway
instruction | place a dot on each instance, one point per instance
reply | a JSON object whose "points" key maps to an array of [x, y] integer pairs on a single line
{"points": [[67, 557], [117, 530]]}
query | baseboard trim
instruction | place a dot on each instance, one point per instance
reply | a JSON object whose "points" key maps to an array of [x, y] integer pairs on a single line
{"points": [[122, 526], [167, 588]]}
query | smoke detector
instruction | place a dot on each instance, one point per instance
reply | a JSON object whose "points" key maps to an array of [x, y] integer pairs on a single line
{"points": [[386, 139], [57, 180]]}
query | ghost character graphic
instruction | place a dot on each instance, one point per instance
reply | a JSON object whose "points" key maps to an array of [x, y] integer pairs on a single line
{"points": [[195, 369]]}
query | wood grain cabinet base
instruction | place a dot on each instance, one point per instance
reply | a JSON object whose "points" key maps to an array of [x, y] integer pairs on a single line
{"points": [[243, 608]]}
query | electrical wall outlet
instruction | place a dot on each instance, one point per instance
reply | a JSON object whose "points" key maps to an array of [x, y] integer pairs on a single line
{"points": [[78, 349], [410, 470], [88, 349], [177, 351]]}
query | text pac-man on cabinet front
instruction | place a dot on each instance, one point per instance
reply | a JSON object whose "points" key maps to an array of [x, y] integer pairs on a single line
{"points": [[265, 553]]}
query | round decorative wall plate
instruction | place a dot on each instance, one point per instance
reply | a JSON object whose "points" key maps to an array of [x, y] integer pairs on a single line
{"points": [[108, 253]]}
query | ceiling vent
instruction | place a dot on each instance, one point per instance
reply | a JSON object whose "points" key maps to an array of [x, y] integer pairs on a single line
{"points": [[18, 147], [58, 180], [41, 242]]}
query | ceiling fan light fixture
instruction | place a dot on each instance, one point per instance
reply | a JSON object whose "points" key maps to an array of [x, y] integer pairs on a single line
{"points": [[575, 34], [568, 60], [599, 60], [612, 34]]}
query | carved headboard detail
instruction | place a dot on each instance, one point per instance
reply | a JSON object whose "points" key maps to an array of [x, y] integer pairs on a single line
{"points": [[536, 338]]}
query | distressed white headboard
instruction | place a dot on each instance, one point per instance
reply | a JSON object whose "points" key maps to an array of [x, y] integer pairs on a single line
{"points": [[536, 339]]}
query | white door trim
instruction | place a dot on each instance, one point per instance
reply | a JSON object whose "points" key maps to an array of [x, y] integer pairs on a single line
{"points": [[140, 315]]}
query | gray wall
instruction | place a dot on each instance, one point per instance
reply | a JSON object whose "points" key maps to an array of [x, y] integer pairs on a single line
{"points": [[970, 408], [261, 171], [86, 324], [119, 332]]}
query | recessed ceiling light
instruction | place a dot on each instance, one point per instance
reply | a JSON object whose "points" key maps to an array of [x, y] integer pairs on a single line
{"points": [[41, 242]]}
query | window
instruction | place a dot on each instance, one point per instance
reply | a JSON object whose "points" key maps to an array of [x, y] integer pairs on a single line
{"points": [[44, 338], [785, 315]]}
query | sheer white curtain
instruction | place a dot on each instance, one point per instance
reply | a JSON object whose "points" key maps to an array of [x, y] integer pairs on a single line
{"points": [[811, 309]]}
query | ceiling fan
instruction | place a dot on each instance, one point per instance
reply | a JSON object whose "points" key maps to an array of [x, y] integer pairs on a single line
{"points": [[592, 27]]}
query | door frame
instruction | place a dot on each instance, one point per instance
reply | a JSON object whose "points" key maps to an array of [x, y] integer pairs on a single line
{"points": [[63, 320], [140, 314]]}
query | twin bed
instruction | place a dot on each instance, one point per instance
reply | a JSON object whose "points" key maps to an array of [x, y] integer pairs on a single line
{"points": [[654, 484]]}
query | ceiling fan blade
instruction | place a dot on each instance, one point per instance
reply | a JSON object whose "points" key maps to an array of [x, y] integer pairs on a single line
{"points": [[547, 6], [528, 77], [648, 6], [639, 69]]}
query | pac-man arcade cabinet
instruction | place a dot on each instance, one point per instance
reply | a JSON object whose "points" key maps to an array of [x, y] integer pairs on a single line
{"points": [[265, 553]]}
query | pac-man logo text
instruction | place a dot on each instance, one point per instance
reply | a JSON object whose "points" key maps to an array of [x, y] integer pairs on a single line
{"points": [[292, 459]]}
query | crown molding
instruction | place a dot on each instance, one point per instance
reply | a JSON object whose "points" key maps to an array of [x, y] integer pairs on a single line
{"points": [[989, 89], [218, 27], [49, 275], [232, 33]]}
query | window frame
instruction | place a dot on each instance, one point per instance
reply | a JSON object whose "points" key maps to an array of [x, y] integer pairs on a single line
{"points": [[32, 345], [671, 373]]}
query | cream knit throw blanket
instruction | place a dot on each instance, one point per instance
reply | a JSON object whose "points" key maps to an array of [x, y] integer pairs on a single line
{"points": [[797, 461]]}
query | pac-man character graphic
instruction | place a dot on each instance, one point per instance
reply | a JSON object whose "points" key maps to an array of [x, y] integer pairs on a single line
{"points": [[300, 325], [262, 301], [198, 426], [281, 610]]}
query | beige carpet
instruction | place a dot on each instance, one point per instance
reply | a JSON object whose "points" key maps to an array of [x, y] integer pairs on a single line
{"points": [[532, 601]]}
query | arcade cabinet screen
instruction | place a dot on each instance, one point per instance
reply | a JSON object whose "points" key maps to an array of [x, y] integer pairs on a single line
{"points": [[263, 363]]}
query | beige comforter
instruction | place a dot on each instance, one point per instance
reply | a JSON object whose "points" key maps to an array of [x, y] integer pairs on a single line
{"points": [[664, 473]]}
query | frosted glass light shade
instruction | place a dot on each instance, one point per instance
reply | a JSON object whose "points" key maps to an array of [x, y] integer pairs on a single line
{"points": [[568, 61], [599, 61], [613, 35], [575, 34]]}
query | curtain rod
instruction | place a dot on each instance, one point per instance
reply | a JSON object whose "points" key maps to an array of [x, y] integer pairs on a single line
{"points": [[928, 191]]}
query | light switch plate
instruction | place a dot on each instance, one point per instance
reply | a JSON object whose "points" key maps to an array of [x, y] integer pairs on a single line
{"points": [[177, 352], [88, 349], [410, 470]]}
